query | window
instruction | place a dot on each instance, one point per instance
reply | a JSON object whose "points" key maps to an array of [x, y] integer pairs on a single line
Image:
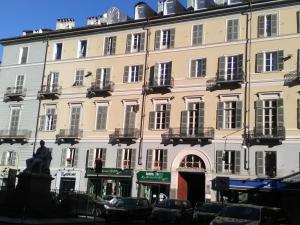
{"points": [[267, 25], [266, 163], [230, 68], [126, 158], [228, 162], [160, 118], [101, 117], [69, 157], [23, 55], [164, 39], [79, 78], [229, 115], [48, 121], [192, 161], [20, 84], [102, 77], [135, 42], [197, 34], [96, 154], [75, 118], [9, 158], [110, 45], [82, 48], [192, 120], [200, 4], [198, 68], [57, 51], [130, 117], [269, 61], [133, 74], [14, 120], [232, 30], [169, 8], [157, 159], [52, 81]]}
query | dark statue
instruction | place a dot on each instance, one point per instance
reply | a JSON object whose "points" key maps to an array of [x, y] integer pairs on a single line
{"points": [[40, 162]]}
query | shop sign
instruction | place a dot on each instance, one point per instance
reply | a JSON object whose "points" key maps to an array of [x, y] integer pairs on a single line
{"points": [[154, 176], [68, 174], [110, 172]]}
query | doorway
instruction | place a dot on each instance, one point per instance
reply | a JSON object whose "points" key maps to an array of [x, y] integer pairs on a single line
{"points": [[67, 184]]}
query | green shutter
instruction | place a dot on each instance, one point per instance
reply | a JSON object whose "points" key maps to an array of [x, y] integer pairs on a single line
{"points": [[259, 118], [221, 68], [156, 73], [280, 60], [240, 67], [193, 68], [63, 157], [220, 112], [149, 159], [157, 39], [172, 38], [237, 162], [197, 34], [219, 160], [165, 159], [126, 74], [203, 67], [261, 26], [42, 123], [114, 43], [298, 62], [298, 113], [183, 122], [230, 30], [167, 119], [103, 157], [201, 116], [133, 158], [128, 43], [238, 114], [119, 158], [106, 46], [259, 62], [142, 42], [141, 70], [91, 158], [151, 120], [54, 122], [170, 71], [280, 117], [274, 25], [75, 164], [259, 162], [101, 118]]}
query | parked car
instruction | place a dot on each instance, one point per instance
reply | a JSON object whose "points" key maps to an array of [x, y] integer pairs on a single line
{"points": [[204, 213], [75, 204], [127, 208], [172, 211], [111, 199], [243, 214]]}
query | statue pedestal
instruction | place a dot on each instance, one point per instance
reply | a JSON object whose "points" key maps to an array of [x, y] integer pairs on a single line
{"points": [[34, 183]]}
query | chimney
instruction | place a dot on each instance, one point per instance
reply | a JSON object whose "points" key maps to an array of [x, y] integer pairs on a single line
{"points": [[96, 20], [65, 23]]}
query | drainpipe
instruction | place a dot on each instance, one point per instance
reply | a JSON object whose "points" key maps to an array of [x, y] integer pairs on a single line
{"points": [[40, 101], [144, 93]]}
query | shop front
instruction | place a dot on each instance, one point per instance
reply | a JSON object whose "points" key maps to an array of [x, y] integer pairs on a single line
{"points": [[153, 185], [110, 181], [67, 180]]}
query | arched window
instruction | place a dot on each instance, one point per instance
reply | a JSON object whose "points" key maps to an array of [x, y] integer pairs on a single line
{"points": [[192, 161]]}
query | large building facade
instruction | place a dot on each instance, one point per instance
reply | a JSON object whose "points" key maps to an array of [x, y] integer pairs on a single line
{"points": [[171, 100]]}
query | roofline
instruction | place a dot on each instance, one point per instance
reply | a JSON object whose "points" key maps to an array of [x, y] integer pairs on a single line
{"points": [[151, 21]]}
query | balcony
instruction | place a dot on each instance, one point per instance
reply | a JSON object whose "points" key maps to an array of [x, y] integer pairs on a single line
{"points": [[15, 94], [100, 89], [158, 86], [124, 135], [258, 136], [66, 135], [222, 83], [188, 135], [292, 78], [50, 92], [14, 135]]}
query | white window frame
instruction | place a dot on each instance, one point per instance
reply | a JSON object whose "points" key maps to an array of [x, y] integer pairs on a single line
{"points": [[21, 53], [110, 42], [16, 81], [160, 114], [136, 37], [133, 73], [172, 3], [264, 162], [9, 157], [238, 29], [266, 22], [10, 116], [232, 75], [197, 67], [77, 83], [157, 154], [55, 51], [265, 61], [167, 33], [270, 115], [71, 152], [106, 104], [126, 157], [79, 52], [163, 72], [131, 103], [47, 124], [229, 164], [231, 113]]}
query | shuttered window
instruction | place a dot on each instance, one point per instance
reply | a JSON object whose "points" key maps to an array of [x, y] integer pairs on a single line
{"points": [[229, 114], [126, 158], [69, 157], [14, 120], [228, 162], [9, 158], [135, 42], [198, 68], [160, 119], [266, 163], [23, 55], [133, 74], [79, 78], [197, 34], [101, 117], [232, 30], [267, 25], [230, 68], [110, 45], [96, 154], [164, 39], [82, 48], [157, 159], [192, 120], [269, 61]]}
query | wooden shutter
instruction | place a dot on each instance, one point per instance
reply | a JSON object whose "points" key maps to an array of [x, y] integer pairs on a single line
{"points": [[259, 62], [298, 62], [220, 112], [280, 117], [261, 26], [193, 68], [103, 156], [280, 60], [42, 123], [75, 164], [156, 73], [128, 43], [203, 67], [106, 75], [126, 74], [219, 164], [54, 122], [273, 24], [140, 72], [259, 117], [142, 42], [167, 117], [106, 46], [149, 159], [201, 116], [3, 159], [13, 158], [240, 67], [172, 38], [119, 158], [157, 39], [230, 28], [91, 158], [298, 113], [151, 120], [221, 68], [114, 43], [63, 157], [170, 71], [101, 118], [197, 34], [237, 162], [259, 162], [133, 157], [165, 159], [238, 114], [183, 122]]}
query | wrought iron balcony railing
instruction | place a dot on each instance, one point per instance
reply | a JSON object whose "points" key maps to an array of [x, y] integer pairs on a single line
{"points": [[124, 134], [98, 88], [14, 93], [181, 134], [15, 135], [292, 78], [50, 91], [274, 134], [220, 82], [67, 134], [166, 83]]}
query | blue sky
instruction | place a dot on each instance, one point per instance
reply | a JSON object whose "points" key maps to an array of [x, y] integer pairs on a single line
{"points": [[19, 15]]}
